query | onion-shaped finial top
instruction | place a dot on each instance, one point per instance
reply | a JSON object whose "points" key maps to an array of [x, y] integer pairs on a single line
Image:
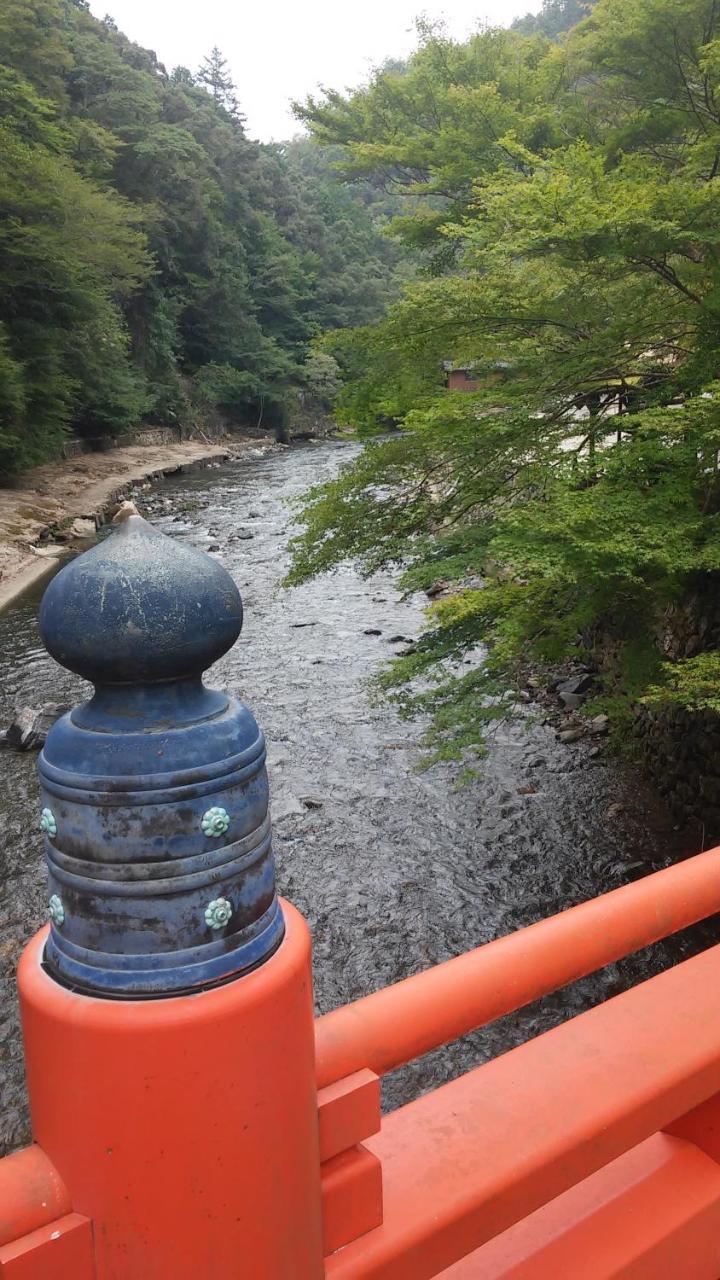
{"points": [[140, 607]]}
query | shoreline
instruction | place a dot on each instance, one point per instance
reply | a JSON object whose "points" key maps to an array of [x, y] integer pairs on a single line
{"points": [[84, 488]]}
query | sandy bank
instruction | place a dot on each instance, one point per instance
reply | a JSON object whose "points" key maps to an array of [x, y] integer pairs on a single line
{"points": [[85, 486]]}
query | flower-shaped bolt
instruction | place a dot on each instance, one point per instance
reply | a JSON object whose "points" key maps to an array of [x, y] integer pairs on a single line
{"points": [[215, 821], [48, 823], [56, 911], [218, 913]]}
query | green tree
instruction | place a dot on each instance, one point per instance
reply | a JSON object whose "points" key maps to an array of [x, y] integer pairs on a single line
{"points": [[215, 76], [580, 480], [429, 131], [149, 244], [33, 43], [554, 18], [322, 378], [69, 252]]}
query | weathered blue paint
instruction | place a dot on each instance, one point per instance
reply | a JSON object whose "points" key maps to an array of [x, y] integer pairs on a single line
{"points": [[156, 786]]}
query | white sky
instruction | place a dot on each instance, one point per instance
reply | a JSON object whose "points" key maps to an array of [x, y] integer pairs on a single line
{"points": [[283, 49]]}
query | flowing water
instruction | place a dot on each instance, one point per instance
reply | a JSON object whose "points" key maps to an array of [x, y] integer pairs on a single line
{"points": [[395, 869]]}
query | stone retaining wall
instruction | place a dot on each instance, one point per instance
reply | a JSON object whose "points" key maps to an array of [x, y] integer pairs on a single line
{"points": [[680, 748], [308, 423], [681, 752], [154, 436]]}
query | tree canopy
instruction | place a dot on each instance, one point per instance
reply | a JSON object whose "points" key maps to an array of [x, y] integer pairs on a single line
{"points": [[154, 261], [554, 18], [568, 196]]}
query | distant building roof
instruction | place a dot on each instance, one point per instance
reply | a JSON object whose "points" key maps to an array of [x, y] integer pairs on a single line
{"points": [[451, 367]]}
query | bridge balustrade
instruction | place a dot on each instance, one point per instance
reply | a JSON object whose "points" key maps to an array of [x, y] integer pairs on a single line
{"points": [[192, 1118]]}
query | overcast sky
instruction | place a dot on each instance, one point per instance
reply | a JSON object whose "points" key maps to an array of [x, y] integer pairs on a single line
{"points": [[283, 49]]}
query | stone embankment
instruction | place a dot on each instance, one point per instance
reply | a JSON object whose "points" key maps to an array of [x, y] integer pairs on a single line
{"points": [[681, 752], [63, 502], [678, 749]]}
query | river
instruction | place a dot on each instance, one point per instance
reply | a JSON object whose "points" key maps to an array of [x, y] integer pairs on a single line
{"points": [[395, 869]]}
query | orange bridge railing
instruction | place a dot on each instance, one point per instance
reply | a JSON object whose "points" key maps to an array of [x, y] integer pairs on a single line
{"points": [[192, 1120], [591, 1151]]}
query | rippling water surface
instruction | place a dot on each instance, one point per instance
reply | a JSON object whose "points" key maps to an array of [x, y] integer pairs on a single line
{"points": [[395, 869]]}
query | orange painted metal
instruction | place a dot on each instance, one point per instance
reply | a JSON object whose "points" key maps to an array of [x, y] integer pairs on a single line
{"points": [[395, 1025], [348, 1112], [472, 1158], [31, 1193], [653, 1214], [352, 1201], [185, 1128], [351, 1177], [701, 1126], [186, 1137], [61, 1250]]}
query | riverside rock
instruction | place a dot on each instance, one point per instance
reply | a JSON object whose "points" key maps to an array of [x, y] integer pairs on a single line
{"points": [[570, 735], [82, 528], [575, 685], [29, 727], [48, 553]]}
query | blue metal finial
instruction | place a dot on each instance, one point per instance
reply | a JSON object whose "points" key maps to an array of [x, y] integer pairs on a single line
{"points": [[155, 791], [140, 607]]}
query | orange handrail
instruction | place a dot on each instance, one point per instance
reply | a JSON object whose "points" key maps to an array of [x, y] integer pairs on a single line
{"points": [[391, 1027], [31, 1193], [469, 1159]]}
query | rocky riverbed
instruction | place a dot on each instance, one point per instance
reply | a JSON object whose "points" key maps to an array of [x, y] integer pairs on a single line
{"points": [[394, 868]]}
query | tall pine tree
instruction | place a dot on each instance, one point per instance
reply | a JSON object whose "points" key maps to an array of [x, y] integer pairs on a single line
{"points": [[214, 75]]}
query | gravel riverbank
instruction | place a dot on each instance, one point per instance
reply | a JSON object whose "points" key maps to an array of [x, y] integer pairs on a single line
{"points": [[61, 491]]}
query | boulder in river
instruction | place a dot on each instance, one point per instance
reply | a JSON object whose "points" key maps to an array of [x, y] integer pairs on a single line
{"points": [[82, 527], [575, 684], [29, 727], [48, 553], [571, 701], [570, 735]]}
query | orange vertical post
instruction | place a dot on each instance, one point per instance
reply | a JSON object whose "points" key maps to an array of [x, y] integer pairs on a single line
{"points": [[185, 1128]]}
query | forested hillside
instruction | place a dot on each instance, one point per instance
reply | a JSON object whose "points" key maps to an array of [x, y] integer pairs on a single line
{"points": [[569, 194], [555, 17], [154, 262]]}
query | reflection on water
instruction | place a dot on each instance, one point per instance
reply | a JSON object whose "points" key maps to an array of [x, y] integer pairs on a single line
{"points": [[394, 869]]}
